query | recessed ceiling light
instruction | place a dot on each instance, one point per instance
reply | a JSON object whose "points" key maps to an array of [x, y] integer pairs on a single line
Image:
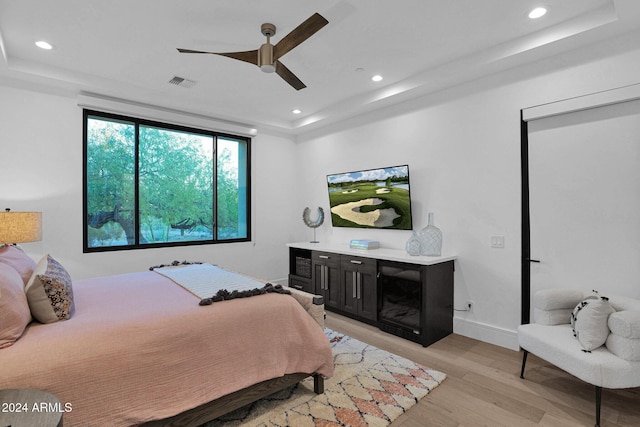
{"points": [[44, 45], [538, 12], [376, 78], [296, 111]]}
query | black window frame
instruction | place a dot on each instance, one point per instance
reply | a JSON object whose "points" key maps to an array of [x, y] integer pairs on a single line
{"points": [[138, 122]]}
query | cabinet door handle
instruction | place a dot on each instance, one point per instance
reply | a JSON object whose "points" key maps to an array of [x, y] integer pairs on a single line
{"points": [[359, 283], [326, 278], [354, 284], [353, 261], [297, 287], [324, 256], [322, 277]]}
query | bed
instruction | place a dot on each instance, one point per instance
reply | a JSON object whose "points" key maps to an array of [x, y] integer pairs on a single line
{"points": [[138, 348]]}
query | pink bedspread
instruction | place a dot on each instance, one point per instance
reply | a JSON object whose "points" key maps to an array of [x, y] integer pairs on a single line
{"points": [[139, 347]]}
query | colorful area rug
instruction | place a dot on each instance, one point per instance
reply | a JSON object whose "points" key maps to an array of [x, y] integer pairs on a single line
{"points": [[370, 387]]}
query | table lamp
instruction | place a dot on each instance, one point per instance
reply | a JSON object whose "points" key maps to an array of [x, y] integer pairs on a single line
{"points": [[20, 227]]}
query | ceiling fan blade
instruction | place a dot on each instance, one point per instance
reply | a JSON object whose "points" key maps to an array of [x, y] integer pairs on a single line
{"points": [[288, 76], [190, 51], [250, 56], [299, 34]]}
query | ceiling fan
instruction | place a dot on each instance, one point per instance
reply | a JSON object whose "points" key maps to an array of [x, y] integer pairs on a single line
{"points": [[267, 57]]}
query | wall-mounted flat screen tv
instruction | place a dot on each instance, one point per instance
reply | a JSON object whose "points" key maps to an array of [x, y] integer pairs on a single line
{"points": [[372, 198]]}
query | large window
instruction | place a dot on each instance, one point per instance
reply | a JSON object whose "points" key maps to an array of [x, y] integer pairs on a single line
{"points": [[150, 184]]}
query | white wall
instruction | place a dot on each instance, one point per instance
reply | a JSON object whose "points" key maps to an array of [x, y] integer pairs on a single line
{"points": [[463, 150], [41, 169]]}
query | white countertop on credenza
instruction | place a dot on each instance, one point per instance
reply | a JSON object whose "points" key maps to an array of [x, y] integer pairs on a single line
{"points": [[380, 253]]}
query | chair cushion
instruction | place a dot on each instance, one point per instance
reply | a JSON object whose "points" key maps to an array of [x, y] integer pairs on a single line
{"points": [[626, 348], [558, 316], [600, 367], [553, 299], [625, 324], [622, 303]]}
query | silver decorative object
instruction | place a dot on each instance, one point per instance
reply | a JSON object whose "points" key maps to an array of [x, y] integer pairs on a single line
{"points": [[313, 223], [430, 239]]}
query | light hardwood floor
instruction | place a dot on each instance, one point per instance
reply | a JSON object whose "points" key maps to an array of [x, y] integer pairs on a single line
{"points": [[484, 388]]}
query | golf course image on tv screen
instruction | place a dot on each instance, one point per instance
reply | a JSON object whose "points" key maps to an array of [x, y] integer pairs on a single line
{"points": [[372, 198]]}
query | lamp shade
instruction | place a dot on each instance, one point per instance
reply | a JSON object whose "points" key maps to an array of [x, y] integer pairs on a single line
{"points": [[20, 227]]}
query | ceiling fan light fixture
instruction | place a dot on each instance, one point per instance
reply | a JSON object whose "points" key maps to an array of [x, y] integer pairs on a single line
{"points": [[268, 68]]}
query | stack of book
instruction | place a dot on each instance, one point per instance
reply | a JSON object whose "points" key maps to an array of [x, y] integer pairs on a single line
{"points": [[364, 244]]}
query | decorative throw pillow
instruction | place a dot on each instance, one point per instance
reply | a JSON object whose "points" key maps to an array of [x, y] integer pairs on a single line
{"points": [[49, 291], [14, 309], [20, 261], [589, 321]]}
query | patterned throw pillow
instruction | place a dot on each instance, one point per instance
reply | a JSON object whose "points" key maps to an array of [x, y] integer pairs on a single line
{"points": [[589, 321], [14, 310], [49, 292]]}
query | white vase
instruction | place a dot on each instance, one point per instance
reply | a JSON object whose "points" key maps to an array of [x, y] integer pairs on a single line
{"points": [[430, 239]]}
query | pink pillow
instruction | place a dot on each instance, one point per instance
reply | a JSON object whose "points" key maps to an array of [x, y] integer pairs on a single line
{"points": [[17, 259], [14, 308]]}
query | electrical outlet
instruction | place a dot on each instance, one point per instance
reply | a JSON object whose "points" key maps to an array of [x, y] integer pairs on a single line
{"points": [[469, 305]]}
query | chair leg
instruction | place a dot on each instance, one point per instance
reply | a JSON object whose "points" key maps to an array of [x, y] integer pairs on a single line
{"points": [[598, 389], [524, 362], [598, 402]]}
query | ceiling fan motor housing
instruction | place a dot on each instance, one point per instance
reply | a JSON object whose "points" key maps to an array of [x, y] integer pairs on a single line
{"points": [[265, 58], [266, 61]]}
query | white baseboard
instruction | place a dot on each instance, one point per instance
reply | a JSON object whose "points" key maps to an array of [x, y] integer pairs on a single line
{"points": [[487, 333]]}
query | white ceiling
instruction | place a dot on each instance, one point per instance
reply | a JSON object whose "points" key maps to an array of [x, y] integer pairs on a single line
{"points": [[127, 50]]}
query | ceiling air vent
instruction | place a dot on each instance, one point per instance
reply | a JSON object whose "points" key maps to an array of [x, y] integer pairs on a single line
{"points": [[182, 82]]}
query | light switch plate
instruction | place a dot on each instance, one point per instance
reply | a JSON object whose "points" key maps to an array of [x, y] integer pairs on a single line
{"points": [[497, 242]]}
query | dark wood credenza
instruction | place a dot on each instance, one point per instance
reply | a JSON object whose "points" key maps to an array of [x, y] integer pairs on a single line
{"points": [[408, 296]]}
